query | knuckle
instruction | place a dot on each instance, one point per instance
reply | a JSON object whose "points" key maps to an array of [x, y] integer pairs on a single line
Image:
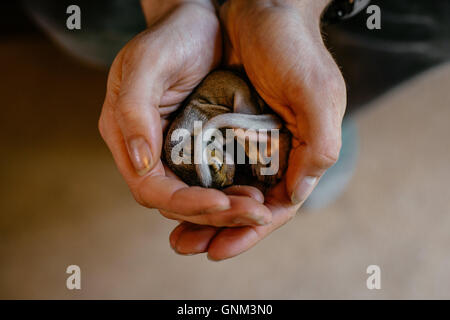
{"points": [[336, 83], [327, 81], [126, 109], [338, 92], [326, 158], [102, 127], [333, 84], [139, 199], [131, 53], [136, 50], [136, 191], [133, 110], [336, 89], [128, 59]]}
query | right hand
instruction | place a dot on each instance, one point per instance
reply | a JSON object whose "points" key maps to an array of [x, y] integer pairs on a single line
{"points": [[148, 80], [279, 44]]}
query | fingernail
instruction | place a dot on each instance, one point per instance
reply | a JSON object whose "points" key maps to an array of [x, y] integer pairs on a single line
{"points": [[303, 189], [217, 209], [140, 154], [211, 259], [184, 254], [245, 221]]}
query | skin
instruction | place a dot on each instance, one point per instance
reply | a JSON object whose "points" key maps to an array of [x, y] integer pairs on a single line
{"points": [[147, 81], [279, 45]]}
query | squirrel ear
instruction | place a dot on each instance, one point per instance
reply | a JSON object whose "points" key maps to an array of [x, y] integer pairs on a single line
{"points": [[243, 102]]}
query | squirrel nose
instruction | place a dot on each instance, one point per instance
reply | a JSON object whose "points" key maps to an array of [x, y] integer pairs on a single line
{"points": [[215, 163]]}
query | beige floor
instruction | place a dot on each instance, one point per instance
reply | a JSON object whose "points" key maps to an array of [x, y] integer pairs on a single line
{"points": [[63, 202]]}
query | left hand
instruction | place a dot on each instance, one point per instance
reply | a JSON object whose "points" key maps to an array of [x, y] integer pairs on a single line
{"points": [[148, 81], [279, 44]]}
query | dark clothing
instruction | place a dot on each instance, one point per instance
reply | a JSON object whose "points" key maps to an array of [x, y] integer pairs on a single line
{"points": [[414, 36]]}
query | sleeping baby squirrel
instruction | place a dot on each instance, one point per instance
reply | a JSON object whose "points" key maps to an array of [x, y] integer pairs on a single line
{"points": [[225, 100]]}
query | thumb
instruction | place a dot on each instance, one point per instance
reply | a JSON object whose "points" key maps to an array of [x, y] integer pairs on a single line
{"points": [[311, 157], [136, 112], [317, 142]]}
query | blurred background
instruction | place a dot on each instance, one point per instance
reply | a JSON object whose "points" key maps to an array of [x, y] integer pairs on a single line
{"points": [[63, 201]]}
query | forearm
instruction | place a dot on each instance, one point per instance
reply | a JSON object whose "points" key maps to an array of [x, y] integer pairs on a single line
{"points": [[156, 9]]}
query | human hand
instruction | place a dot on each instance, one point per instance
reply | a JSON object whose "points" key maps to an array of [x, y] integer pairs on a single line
{"points": [[148, 80], [279, 44]]}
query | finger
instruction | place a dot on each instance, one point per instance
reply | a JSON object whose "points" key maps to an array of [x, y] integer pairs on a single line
{"points": [[243, 211], [135, 101], [309, 159], [192, 239], [174, 235], [248, 191], [317, 139], [173, 195], [155, 190], [230, 242], [241, 239]]}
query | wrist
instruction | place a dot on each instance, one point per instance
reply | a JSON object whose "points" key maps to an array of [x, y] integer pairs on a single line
{"points": [[154, 10], [241, 13], [311, 10]]}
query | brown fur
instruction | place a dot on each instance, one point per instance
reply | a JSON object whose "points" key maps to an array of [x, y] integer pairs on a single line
{"points": [[221, 92]]}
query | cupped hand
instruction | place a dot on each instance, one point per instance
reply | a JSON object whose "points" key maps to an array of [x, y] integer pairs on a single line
{"points": [[148, 80], [279, 44]]}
